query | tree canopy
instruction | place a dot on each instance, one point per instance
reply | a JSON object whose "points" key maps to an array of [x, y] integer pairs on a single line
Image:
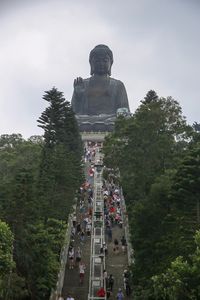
{"points": [[38, 181], [156, 153]]}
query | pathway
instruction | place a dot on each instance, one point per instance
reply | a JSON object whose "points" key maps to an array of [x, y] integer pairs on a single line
{"points": [[115, 265]]}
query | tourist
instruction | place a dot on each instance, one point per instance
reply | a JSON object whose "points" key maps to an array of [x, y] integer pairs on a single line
{"points": [[88, 229], [126, 274], [116, 246], [82, 268], [74, 220], [127, 286], [78, 255], [73, 232], [120, 223], [85, 222], [69, 297], [124, 244], [90, 211], [101, 254], [120, 295], [108, 293], [82, 236], [101, 292], [110, 282], [78, 228], [105, 277], [117, 218], [71, 257], [82, 207], [105, 248]]}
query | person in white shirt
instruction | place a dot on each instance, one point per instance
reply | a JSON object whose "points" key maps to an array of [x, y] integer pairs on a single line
{"points": [[71, 257], [81, 271]]}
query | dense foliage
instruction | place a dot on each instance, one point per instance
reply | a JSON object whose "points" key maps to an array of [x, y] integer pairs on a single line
{"points": [[181, 279], [38, 180], [6, 242], [157, 155]]}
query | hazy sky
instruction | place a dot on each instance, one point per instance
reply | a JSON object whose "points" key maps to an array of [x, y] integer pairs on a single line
{"points": [[46, 43]]}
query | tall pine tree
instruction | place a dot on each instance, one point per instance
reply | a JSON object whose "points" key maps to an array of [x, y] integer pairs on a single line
{"points": [[60, 170]]}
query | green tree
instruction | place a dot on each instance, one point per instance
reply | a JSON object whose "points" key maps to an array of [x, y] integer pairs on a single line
{"points": [[147, 148], [60, 170], [38, 240], [6, 249], [14, 287], [43, 246], [7, 265], [23, 156], [163, 225], [153, 235], [184, 198], [181, 280], [150, 97], [147, 144], [10, 140]]}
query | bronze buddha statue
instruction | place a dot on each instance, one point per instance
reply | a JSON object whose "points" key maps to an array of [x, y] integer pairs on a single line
{"points": [[97, 99]]}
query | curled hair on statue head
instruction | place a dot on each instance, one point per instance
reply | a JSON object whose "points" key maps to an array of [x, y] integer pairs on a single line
{"points": [[103, 49]]}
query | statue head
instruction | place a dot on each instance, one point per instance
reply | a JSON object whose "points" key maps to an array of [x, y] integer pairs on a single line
{"points": [[101, 60]]}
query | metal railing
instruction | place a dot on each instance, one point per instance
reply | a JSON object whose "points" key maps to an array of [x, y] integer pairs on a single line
{"points": [[130, 251], [63, 259], [97, 259]]}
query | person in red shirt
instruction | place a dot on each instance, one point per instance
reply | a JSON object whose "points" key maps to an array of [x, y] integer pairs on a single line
{"points": [[112, 209], [91, 172], [101, 292]]}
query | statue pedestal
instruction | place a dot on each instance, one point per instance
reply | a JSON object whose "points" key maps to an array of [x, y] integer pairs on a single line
{"points": [[96, 123]]}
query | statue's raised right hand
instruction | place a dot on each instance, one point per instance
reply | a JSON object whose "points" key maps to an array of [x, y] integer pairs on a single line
{"points": [[79, 86]]}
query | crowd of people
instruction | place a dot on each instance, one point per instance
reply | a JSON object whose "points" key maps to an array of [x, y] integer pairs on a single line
{"points": [[82, 226], [81, 229], [113, 218], [113, 215]]}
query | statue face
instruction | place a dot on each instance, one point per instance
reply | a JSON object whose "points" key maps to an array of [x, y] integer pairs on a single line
{"points": [[101, 64]]}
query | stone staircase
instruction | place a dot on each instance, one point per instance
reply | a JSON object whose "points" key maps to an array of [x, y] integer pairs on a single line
{"points": [[116, 263], [71, 281]]}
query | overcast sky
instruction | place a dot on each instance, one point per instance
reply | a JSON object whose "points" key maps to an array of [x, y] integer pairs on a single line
{"points": [[46, 43]]}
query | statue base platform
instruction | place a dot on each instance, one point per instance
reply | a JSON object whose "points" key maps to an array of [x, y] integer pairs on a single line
{"points": [[96, 123], [93, 136]]}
